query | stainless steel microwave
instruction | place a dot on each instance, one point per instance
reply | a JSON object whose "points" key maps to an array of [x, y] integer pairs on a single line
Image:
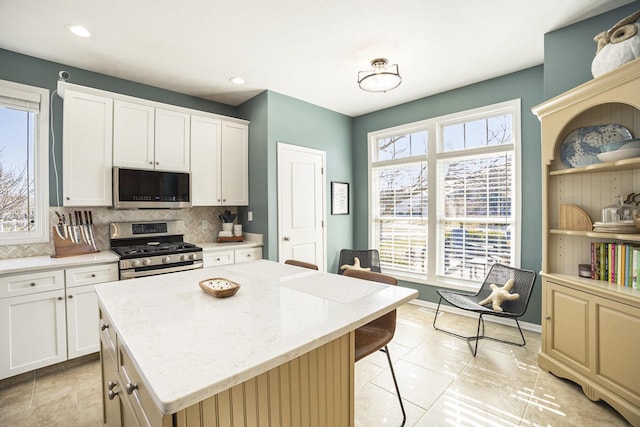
{"points": [[150, 189]]}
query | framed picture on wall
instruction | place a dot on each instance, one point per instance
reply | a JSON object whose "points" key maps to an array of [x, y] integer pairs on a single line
{"points": [[339, 198]]}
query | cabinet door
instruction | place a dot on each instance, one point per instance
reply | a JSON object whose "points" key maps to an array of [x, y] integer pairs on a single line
{"points": [[133, 135], [569, 328], [172, 140], [111, 389], [92, 274], [215, 258], [86, 149], [246, 255], [235, 164], [205, 161], [618, 348], [32, 332], [82, 321]]}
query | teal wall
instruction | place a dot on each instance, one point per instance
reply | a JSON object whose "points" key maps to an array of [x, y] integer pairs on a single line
{"points": [[291, 121], [569, 51], [526, 85], [38, 72]]}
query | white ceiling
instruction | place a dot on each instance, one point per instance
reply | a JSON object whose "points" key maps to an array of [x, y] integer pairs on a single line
{"points": [[306, 49]]}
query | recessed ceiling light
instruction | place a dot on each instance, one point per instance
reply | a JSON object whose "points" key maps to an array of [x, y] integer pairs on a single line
{"points": [[78, 30], [237, 80]]}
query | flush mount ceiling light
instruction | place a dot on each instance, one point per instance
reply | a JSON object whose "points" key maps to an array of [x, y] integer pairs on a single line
{"points": [[78, 30], [382, 78], [237, 80]]}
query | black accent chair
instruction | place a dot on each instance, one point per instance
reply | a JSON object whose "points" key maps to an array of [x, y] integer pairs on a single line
{"points": [[499, 274], [369, 258], [376, 334]]}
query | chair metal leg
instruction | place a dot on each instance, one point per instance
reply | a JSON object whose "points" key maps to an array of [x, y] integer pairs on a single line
{"points": [[385, 350], [479, 333]]}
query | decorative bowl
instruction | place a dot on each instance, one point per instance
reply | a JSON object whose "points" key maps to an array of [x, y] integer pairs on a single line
{"points": [[219, 287], [624, 144], [619, 154]]}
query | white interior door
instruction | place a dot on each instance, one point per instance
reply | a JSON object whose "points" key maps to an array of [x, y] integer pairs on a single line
{"points": [[301, 211]]}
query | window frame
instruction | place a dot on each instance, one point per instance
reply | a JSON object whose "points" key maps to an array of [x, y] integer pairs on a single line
{"points": [[41, 165], [435, 152]]}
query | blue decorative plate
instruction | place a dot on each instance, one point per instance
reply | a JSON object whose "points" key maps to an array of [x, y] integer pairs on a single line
{"points": [[582, 146]]}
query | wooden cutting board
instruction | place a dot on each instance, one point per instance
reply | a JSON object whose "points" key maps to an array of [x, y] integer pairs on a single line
{"points": [[574, 218]]}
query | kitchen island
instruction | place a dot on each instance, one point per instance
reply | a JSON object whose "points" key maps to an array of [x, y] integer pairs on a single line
{"points": [[280, 351]]}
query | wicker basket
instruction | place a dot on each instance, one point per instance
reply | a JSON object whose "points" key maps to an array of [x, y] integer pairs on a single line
{"points": [[219, 287]]}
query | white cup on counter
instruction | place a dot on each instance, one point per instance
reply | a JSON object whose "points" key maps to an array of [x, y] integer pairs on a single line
{"points": [[237, 230], [227, 226]]}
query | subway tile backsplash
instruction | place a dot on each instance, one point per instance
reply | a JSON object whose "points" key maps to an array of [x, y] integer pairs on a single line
{"points": [[194, 218]]}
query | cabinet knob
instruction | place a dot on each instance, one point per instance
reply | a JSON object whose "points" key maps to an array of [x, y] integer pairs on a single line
{"points": [[60, 298], [68, 198], [286, 238], [547, 317], [131, 387], [157, 163], [93, 275], [103, 326], [70, 296], [32, 284], [112, 394], [111, 385], [150, 163]]}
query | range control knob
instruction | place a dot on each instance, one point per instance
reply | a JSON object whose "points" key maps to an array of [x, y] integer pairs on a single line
{"points": [[135, 262], [191, 256], [166, 259], [146, 261]]}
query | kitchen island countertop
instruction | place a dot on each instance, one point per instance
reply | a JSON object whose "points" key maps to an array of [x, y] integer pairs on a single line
{"points": [[188, 345]]}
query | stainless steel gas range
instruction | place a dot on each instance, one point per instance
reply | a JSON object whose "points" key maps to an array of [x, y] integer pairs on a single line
{"points": [[153, 247]]}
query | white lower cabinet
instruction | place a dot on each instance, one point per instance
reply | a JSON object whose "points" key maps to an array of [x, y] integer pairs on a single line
{"points": [[42, 323], [32, 332], [213, 258], [248, 254]]}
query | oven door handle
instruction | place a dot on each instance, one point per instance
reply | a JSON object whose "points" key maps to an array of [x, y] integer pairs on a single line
{"points": [[132, 274]]}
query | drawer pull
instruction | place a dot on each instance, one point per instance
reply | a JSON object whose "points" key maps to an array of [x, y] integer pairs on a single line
{"points": [[131, 387], [547, 317], [111, 384], [103, 326], [112, 394], [93, 274], [32, 283]]}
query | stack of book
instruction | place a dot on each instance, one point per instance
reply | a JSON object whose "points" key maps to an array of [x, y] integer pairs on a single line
{"points": [[615, 263]]}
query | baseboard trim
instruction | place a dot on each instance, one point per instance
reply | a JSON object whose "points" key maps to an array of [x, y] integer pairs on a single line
{"points": [[448, 309]]}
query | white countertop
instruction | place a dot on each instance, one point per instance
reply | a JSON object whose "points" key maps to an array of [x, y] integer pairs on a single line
{"points": [[45, 262], [188, 345]]}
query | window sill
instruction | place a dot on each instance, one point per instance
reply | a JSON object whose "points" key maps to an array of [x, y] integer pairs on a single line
{"points": [[441, 282]]}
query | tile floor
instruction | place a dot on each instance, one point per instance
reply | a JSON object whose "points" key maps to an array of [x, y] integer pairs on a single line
{"points": [[441, 385]]}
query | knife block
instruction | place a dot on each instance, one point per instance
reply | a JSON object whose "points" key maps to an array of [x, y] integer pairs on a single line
{"points": [[66, 247]]}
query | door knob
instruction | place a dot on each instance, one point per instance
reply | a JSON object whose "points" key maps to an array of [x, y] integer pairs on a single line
{"points": [[286, 238]]}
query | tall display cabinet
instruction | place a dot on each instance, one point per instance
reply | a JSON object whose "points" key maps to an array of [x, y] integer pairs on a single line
{"points": [[590, 328]]}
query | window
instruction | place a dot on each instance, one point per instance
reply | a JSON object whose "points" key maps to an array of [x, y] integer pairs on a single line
{"points": [[24, 183], [444, 201]]}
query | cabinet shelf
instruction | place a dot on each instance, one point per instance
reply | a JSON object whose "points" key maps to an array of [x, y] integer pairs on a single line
{"points": [[613, 290], [598, 235], [624, 164]]}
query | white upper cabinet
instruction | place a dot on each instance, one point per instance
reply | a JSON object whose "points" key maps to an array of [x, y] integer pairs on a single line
{"points": [[206, 161], [86, 149], [145, 137], [172, 140], [133, 135], [235, 164], [219, 162]]}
